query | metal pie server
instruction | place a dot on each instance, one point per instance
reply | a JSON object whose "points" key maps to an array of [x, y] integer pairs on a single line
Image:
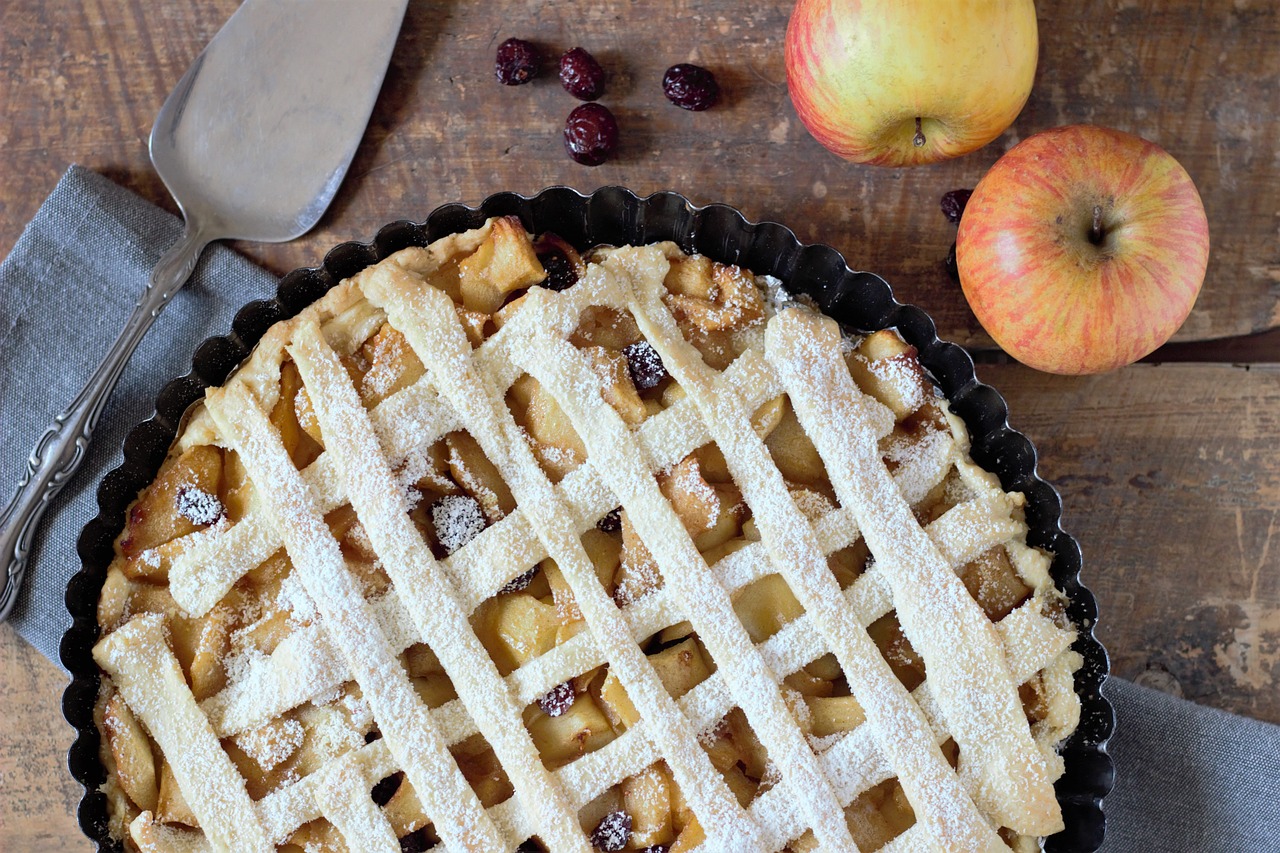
{"points": [[253, 143]]}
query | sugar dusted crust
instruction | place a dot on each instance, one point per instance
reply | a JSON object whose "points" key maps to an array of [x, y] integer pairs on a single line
{"points": [[651, 560]]}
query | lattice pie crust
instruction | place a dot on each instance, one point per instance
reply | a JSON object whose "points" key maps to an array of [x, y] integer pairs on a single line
{"points": [[381, 596]]}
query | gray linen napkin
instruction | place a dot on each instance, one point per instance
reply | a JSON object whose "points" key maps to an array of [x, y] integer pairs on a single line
{"points": [[1189, 778], [65, 292]]}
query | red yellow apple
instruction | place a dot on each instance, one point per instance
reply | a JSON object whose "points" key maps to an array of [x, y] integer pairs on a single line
{"points": [[906, 82], [1083, 249]]}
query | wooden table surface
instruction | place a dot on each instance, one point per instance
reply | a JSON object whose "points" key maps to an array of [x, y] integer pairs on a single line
{"points": [[1170, 473]]}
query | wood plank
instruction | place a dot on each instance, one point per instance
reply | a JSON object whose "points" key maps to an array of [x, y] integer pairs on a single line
{"points": [[38, 797], [83, 81], [1263, 347], [1170, 478], [1260, 348]]}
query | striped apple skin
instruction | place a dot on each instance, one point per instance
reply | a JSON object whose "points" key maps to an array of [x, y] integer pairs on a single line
{"points": [[815, 91], [861, 71], [1046, 293]]}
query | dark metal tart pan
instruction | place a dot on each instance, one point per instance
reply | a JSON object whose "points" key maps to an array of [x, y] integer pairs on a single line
{"points": [[861, 301]]}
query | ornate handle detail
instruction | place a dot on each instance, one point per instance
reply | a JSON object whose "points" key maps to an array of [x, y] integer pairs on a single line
{"points": [[61, 450]]}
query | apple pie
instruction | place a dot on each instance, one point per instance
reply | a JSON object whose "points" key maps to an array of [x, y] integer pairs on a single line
{"points": [[503, 546]]}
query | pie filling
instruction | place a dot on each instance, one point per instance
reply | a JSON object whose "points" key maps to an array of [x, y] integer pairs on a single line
{"points": [[499, 546]]}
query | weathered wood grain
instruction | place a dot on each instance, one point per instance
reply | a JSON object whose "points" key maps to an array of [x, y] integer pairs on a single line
{"points": [[1170, 478], [82, 81], [38, 797]]}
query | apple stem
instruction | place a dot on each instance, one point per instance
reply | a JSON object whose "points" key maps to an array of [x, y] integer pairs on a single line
{"points": [[1095, 230], [918, 139]]}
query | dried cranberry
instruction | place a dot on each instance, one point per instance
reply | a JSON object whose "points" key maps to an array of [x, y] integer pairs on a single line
{"points": [[655, 848], [558, 699], [517, 62], [418, 841], [612, 832], [590, 134], [198, 506], [953, 204], [560, 272], [458, 519], [690, 87], [581, 75], [645, 365], [518, 582], [611, 522], [950, 263], [384, 790]]}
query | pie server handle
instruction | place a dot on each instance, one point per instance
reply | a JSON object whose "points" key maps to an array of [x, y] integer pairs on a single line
{"points": [[61, 450]]}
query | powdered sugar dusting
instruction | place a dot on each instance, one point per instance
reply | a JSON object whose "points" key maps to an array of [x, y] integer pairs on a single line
{"points": [[688, 480], [342, 712], [434, 609], [557, 700], [389, 351], [904, 374], [777, 298], [614, 454], [920, 463], [645, 365], [198, 506], [273, 743], [458, 519], [612, 833], [294, 598], [349, 621], [148, 675], [936, 613]]}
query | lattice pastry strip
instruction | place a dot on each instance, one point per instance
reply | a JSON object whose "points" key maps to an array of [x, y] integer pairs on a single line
{"points": [[285, 809], [1031, 641], [855, 762], [463, 388], [342, 794], [650, 628], [306, 665], [149, 676], [557, 365], [202, 574], [380, 504], [930, 784], [978, 693], [204, 571], [152, 836], [665, 438], [434, 333], [406, 724], [712, 689], [406, 422]]}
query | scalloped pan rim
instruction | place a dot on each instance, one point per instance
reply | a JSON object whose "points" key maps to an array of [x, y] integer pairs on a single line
{"points": [[861, 301]]}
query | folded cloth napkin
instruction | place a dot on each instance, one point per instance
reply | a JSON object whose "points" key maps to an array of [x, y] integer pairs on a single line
{"points": [[1189, 777], [65, 292]]}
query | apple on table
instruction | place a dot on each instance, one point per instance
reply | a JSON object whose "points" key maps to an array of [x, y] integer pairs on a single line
{"points": [[906, 82], [1083, 249]]}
